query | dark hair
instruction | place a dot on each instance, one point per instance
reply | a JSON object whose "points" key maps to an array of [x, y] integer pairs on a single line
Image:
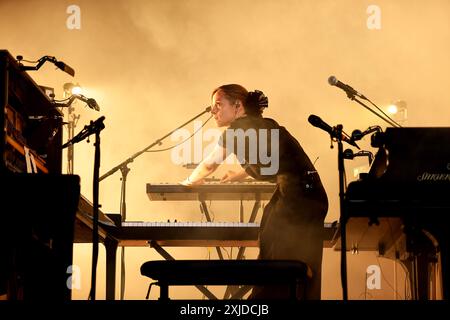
{"points": [[254, 101]]}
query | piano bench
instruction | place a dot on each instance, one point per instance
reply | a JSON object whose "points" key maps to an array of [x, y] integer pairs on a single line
{"points": [[292, 273]]}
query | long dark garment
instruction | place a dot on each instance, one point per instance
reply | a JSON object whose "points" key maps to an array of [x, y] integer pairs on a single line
{"points": [[292, 223], [292, 228]]}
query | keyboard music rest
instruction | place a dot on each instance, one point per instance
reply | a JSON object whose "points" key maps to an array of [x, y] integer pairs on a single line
{"points": [[211, 191]]}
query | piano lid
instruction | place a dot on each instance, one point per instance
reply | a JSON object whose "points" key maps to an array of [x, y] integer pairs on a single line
{"points": [[418, 155], [410, 173]]}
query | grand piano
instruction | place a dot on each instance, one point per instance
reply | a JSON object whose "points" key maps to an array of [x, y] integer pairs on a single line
{"points": [[38, 203], [403, 205]]}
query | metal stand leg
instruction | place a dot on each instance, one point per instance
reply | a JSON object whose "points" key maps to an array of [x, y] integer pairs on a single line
{"points": [[204, 209], [164, 287], [163, 291], [111, 250], [233, 292]]}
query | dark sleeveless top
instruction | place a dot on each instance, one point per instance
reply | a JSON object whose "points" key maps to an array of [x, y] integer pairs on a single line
{"points": [[254, 136]]}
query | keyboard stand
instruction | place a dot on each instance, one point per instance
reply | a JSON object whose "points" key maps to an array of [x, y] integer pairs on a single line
{"points": [[234, 292], [205, 211]]}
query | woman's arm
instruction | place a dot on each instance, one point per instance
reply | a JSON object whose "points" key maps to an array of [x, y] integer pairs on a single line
{"points": [[207, 166], [232, 176]]}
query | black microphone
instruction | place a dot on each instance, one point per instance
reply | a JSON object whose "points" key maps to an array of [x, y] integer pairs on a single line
{"points": [[90, 102], [319, 123], [358, 135], [93, 127], [349, 90], [61, 65], [64, 67]]}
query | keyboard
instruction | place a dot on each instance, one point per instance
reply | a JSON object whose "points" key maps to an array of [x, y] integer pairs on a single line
{"points": [[211, 191]]}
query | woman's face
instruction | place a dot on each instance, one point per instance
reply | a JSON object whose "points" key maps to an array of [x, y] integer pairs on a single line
{"points": [[223, 110]]}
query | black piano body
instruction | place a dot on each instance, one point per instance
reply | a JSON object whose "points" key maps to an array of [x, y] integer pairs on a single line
{"points": [[38, 209], [408, 185], [29, 120]]}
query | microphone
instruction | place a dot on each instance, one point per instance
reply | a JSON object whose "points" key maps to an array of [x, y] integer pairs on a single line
{"points": [[90, 102], [64, 67], [319, 123], [349, 90], [93, 127], [358, 135], [61, 65]]}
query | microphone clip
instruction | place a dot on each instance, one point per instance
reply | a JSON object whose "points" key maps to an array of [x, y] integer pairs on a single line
{"points": [[350, 155], [337, 133], [93, 128], [91, 103], [358, 134]]}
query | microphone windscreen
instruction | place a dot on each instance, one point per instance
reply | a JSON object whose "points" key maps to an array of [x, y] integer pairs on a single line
{"points": [[93, 104], [64, 67], [332, 80], [314, 120]]}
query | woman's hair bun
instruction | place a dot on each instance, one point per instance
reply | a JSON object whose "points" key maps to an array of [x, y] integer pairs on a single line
{"points": [[257, 100]]}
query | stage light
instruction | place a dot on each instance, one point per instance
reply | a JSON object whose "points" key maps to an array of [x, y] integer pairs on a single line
{"points": [[399, 111], [392, 109], [76, 89], [71, 88]]}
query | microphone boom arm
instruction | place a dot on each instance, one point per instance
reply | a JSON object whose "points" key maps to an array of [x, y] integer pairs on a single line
{"points": [[61, 65], [157, 142], [386, 119]]}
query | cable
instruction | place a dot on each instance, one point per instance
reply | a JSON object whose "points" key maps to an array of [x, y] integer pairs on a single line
{"points": [[213, 215], [407, 286], [395, 122], [61, 100], [314, 163], [29, 61], [227, 252], [362, 235], [388, 283], [159, 150]]}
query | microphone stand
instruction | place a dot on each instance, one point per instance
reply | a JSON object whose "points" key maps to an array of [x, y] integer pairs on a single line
{"points": [[337, 133], [343, 218], [386, 119], [93, 128], [123, 167], [341, 169]]}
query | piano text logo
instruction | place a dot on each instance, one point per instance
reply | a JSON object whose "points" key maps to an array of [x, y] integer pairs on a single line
{"points": [[426, 176]]}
